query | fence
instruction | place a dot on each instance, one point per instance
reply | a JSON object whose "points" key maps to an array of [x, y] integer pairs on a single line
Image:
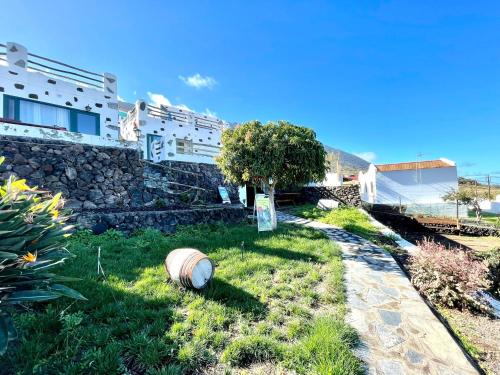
{"points": [[168, 113], [3, 53], [52, 68]]}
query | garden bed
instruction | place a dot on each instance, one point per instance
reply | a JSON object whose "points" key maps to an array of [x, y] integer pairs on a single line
{"points": [[276, 303]]}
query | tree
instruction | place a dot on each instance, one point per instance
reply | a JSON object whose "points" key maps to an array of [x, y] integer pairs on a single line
{"points": [[277, 154], [467, 197]]}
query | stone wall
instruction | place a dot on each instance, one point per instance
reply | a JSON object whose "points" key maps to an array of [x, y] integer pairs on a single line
{"points": [[114, 186], [346, 195], [91, 177], [164, 220]]}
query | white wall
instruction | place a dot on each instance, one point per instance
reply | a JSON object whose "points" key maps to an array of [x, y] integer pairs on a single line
{"points": [[491, 206], [60, 135], [16, 79], [415, 186], [331, 179], [367, 184], [206, 142]]}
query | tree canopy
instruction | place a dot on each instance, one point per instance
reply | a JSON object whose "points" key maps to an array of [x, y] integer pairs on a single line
{"points": [[277, 154]]}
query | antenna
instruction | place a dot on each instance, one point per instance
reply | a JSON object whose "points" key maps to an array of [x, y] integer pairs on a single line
{"points": [[418, 171]]}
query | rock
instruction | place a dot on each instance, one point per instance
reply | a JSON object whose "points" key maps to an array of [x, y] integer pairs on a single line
{"points": [[23, 171], [72, 204], [95, 194], [88, 205], [70, 173], [19, 159], [102, 156], [47, 168]]}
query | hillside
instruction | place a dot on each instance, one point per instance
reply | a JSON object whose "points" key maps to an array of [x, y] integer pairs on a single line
{"points": [[351, 164]]}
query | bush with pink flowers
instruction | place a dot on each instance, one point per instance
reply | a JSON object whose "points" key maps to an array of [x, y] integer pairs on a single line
{"points": [[448, 277]]}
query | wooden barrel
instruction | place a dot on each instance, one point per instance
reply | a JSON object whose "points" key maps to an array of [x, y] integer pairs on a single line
{"points": [[189, 267]]}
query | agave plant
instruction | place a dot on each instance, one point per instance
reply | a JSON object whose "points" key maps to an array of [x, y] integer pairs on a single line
{"points": [[32, 238]]}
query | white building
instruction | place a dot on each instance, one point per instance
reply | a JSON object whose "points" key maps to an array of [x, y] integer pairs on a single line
{"points": [[45, 98], [413, 183], [492, 207], [170, 133], [332, 179]]}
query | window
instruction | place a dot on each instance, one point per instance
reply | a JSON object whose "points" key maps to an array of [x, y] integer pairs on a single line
{"points": [[87, 123], [38, 113], [43, 114], [184, 146]]}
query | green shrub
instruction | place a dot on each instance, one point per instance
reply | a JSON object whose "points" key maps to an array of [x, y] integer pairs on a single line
{"points": [[32, 237], [251, 349]]}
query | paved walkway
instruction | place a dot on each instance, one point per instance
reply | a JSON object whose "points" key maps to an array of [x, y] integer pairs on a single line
{"points": [[398, 332]]}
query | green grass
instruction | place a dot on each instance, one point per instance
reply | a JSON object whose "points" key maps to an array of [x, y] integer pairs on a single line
{"points": [[348, 218], [276, 298]]}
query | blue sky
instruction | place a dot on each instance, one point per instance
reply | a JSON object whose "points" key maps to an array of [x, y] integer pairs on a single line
{"points": [[386, 79]]}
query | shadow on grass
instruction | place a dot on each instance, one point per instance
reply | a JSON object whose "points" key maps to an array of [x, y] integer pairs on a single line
{"points": [[283, 253], [222, 292]]}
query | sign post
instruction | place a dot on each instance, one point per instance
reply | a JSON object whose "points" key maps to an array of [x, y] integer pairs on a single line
{"points": [[263, 208], [224, 195]]}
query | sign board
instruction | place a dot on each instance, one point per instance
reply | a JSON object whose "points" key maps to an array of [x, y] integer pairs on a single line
{"points": [[263, 208], [224, 195]]}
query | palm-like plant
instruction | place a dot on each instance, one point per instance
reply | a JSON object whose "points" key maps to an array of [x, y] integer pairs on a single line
{"points": [[32, 238]]}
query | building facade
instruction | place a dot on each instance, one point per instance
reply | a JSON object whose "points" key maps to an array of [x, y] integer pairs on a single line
{"points": [[44, 98], [170, 133], [424, 182]]}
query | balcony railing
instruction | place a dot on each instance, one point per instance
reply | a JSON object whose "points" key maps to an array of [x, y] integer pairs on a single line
{"points": [[175, 114], [57, 69], [3, 53], [65, 71]]}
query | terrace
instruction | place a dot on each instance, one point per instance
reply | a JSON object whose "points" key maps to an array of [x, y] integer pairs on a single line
{"points": [[44, 98]]}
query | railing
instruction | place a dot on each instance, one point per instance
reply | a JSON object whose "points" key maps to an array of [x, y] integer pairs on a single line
{"points": [[182, 116], [67, 72], [202, 149], [3, 52]]}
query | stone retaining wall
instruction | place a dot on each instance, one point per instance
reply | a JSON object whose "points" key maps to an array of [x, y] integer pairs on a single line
{"points": [[92, 177], [164, 220], [114, 185], [346, 195]]}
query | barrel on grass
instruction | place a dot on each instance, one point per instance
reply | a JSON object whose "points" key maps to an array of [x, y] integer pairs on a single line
{"points": [[189, 267]]}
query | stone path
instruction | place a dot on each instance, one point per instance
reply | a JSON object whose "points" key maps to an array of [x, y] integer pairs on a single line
{"points": [[398, 332]]}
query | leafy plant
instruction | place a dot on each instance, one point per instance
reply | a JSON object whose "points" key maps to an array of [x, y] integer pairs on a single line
{"points": [[492, 259], [32, 234], [277, 154], [448, 277]]}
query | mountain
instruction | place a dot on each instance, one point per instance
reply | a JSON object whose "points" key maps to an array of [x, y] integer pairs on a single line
{"points": [[350, 164]]}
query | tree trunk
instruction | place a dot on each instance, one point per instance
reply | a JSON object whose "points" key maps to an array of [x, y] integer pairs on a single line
{"points": [[271, 204]]}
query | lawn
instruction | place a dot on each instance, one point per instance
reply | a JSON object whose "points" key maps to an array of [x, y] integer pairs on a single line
{"points": [[491, 218], [348, 218], [276, 304]]}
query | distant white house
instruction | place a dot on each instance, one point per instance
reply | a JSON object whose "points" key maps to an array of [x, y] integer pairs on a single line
{"points": [[491, 206], [413, 183], [331, 179]]}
